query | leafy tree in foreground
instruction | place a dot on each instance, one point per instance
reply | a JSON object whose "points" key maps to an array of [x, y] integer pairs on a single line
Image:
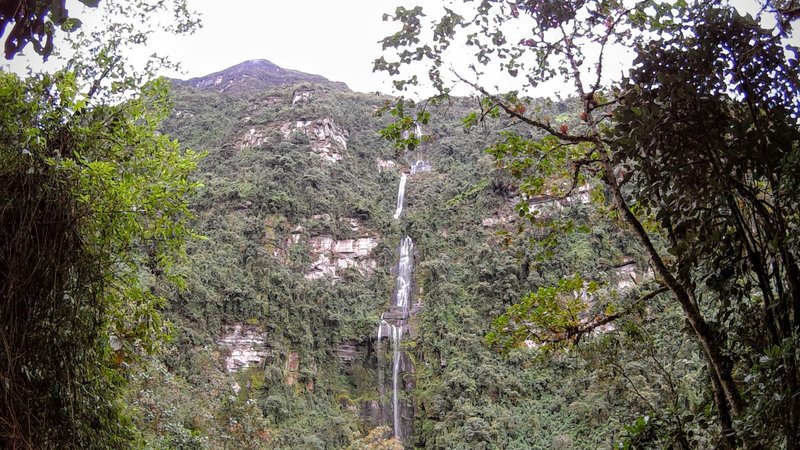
{"points": [[90, 196], [696, 152], [36, 22], [94, 208]]}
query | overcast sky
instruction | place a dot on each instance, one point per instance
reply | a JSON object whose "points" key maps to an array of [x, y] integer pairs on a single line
{"points": [[335, 39]]}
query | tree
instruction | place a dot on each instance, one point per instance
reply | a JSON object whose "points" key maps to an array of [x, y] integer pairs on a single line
{"points": [[719, 173], [94, 215], [36, 21], [671, 145]]}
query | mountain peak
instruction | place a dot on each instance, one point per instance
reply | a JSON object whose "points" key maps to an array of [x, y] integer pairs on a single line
{"points": [[262, 64], [256, 75]]}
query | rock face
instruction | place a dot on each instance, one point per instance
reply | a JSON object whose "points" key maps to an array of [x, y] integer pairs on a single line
{"points": [[302, 95], [245, 347], [497, 220], [333, 255], [330, 256], [253, 138], [626, 276], [292, 368], [255, 75], [420, 167], [328, 140], [384, 164], [347, 352], [546, 204]]}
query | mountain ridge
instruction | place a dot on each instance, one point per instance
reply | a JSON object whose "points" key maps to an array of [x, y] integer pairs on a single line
{"points": [[254, 75]]}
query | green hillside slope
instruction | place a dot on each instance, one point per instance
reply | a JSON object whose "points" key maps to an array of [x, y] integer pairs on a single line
{"points": [[275, 338]]}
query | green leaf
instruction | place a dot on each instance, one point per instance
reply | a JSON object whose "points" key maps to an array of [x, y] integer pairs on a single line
{"points": [[71, 24]]}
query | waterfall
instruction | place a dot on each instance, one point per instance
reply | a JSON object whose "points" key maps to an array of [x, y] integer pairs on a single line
{"points": [[404, 267], [381, 388], [379, 353], [393, 322], [418, 131], [397, 337], [401, 196]]}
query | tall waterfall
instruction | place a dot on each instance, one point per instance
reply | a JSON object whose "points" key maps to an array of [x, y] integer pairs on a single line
{"points": [[393, 322], [381, 386], [393, 327], [401, 196], [404, 267], [397, 339]]}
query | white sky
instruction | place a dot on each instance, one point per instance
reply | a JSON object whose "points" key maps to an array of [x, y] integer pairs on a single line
{"points": [[335, 39]]}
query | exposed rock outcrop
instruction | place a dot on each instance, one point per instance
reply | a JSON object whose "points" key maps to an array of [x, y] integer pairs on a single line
{"points": [[626, 276], [546, 204], [245, 346], [330, 255], [497, 220], [328, 140], [334, 255], [347, 352], [292, 368], [384, 164], [253, 138], [302, 95], [420, 167]]}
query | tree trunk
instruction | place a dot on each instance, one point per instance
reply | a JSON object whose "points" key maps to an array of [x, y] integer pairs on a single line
{"points": [[720, 366]]}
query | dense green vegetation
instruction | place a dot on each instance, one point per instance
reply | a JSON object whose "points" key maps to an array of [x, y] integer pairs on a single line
{"points": [[468, 271], [616, 269], [94, 218], [695, 149]]}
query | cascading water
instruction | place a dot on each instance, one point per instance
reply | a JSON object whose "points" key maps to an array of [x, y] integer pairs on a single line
{"points": [[404, 266], [402, 303], [401, 196], [381, 387], [397, 338], [419, 167], [393, 322]]}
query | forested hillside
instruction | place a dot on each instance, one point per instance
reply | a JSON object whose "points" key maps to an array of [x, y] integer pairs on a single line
{"points": [[574, 226], [276, 336]]}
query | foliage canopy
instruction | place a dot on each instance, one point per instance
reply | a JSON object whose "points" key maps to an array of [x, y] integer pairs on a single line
{"points": [[95, 215], [694, 152]]}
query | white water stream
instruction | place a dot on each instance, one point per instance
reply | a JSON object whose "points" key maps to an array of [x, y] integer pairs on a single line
{"points": [[397, 338], [404, 267], [381, 386], [401, 197], [402, 303], [395, 329]]}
